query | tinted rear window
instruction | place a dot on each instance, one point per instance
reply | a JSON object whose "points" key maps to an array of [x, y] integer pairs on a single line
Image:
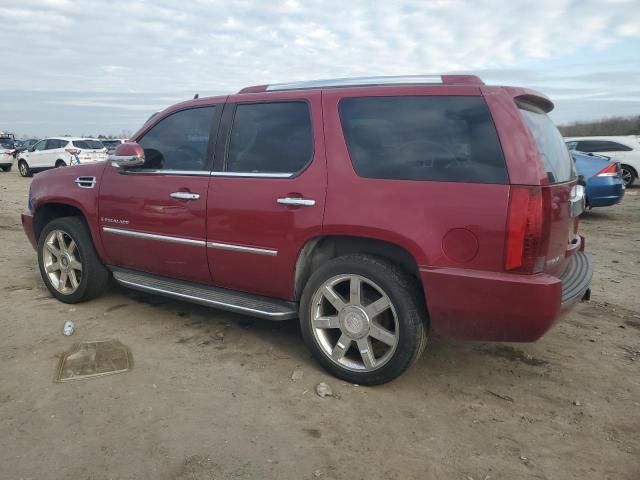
{"points": [[439, 138], [88, 144], [551, 146]]}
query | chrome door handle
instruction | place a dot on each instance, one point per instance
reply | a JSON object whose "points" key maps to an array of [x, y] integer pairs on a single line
{"points": [[184, 195], [296, 201]]}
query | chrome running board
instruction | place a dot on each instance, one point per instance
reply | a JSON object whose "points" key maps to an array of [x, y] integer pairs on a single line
{"points": [[239, 302]]}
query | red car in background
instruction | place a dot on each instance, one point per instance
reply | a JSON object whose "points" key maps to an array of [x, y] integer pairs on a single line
{"points": [[375, 210]]}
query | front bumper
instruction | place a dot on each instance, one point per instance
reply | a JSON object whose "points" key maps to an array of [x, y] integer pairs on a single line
{"points": [[496, 306], [28, 227]]}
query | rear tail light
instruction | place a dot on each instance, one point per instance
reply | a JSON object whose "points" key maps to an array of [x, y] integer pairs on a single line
{"points": [[610, 170], [72, 151], [527, 230]]}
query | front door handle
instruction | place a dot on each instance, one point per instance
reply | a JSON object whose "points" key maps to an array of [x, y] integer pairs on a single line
{"points": [[296, 201], [185, 195]]}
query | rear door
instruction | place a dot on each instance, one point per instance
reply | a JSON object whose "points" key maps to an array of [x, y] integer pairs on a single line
{"points": [[267, 193], [50, 153], [559, 189]]}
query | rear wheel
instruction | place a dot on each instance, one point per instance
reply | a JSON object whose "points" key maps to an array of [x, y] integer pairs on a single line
{"points": [[363, 319], [7, 168], [629, 175], [68, 263], [60, 163], [24, 169]]}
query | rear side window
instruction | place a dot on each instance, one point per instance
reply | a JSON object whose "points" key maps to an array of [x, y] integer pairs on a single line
{"points": [[270, 138], [54, 143], [440, 138], [557, 159], [88, 144], [602, 146]]}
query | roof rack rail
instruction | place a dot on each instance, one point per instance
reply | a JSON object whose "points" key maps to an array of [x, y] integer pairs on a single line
{"points": [[367, 82]]}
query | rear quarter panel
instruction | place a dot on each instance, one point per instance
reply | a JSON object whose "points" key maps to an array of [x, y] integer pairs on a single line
{"points": [[413, 214]]}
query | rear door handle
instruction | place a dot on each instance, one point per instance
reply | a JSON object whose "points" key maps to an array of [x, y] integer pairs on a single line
{"points": [[296, 201], [184, 195]]}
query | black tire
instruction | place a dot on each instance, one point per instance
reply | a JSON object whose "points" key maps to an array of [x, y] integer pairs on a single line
{"points": [[629, 175], [23, 169], [60, 163], [7, 168], [405, 295], [95, 278]]}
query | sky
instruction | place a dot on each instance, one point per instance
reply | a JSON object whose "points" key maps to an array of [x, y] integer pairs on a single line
{"points": [[102, 67]]}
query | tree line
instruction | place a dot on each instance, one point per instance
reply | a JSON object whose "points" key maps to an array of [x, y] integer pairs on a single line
{"points": [[606, 127]]}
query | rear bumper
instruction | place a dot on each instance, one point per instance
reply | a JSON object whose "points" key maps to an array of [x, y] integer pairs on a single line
{"points": [[494, 306], [27, 225], [576, 280]]}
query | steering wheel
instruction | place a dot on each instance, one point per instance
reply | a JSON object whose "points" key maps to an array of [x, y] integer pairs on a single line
{"points": [[184, 155]]}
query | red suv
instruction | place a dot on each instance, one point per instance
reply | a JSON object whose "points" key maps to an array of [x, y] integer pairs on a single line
{"points": [[372, 209]]}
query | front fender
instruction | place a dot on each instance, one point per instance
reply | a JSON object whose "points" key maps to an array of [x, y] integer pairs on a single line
{"points": [[59, 187]]}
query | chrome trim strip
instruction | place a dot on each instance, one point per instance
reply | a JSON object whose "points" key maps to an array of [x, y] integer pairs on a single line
{"points": [[216, 303], [358, 82], [154, 236], [240, 248], [189, 173], [252, 175]]}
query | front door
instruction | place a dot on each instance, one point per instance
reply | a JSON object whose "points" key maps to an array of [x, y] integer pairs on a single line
{"points": [[267, 193], [35, 158], [152, 218]]}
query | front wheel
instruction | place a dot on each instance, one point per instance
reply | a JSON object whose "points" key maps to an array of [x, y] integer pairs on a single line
{"points": [[24, 169], [68, 263], [363, 319]]}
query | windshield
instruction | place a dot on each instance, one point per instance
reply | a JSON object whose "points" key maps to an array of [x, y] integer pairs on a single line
{"points": [[553, 150], [88, 144]]}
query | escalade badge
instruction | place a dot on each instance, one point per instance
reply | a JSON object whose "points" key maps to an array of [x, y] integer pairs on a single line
{"points": [[118, 221]]}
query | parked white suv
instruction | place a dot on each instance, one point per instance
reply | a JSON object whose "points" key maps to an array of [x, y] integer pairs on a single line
{"points": [[112, 143], [7, 151], [623, 149], [59, 152]]}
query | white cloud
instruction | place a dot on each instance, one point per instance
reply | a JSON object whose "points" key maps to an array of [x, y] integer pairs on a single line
{"points": [[171, 46]]}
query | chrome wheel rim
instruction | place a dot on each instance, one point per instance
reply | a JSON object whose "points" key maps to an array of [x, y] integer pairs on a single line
{"points": [[354, 323], [62, 262], [627, 176], [23, 168]]}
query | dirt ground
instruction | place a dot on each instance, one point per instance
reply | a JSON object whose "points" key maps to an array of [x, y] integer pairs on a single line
{"points": [[211, 394]]}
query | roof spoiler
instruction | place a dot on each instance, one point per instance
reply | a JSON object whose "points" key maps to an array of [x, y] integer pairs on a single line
{"points": [[543, 103]]}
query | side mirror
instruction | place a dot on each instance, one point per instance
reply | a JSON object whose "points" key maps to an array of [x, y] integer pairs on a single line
{"points": [[128, 155]]}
